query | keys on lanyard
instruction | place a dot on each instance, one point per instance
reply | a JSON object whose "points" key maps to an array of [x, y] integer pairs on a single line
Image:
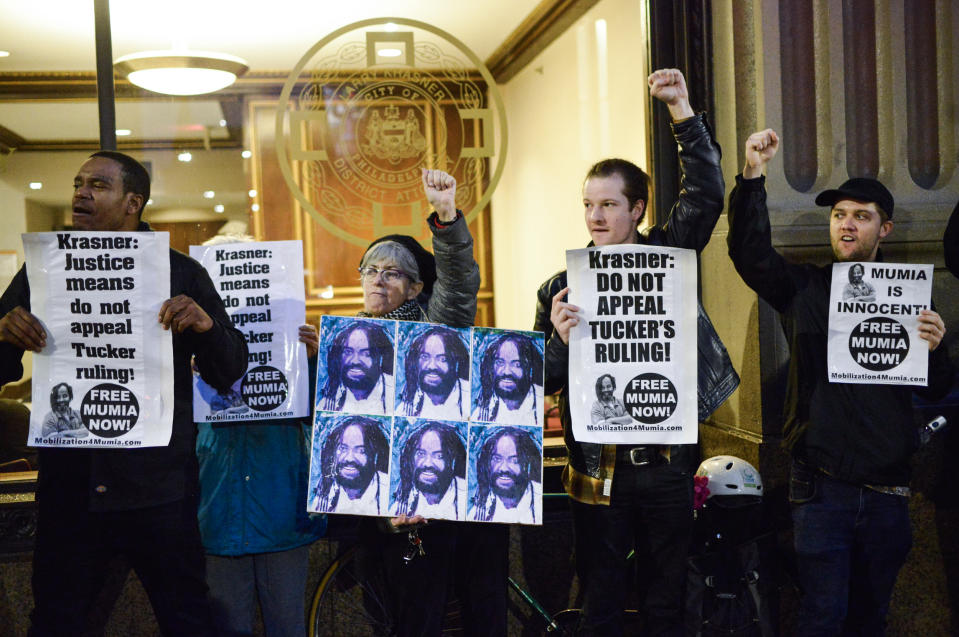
{"points": [[415, 548]]}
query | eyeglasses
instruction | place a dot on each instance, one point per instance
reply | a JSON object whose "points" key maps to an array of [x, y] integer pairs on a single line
{"points": [[389, 275]]}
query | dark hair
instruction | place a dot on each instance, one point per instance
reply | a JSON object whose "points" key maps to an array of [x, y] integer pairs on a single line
{"points": [[56, 388], [379, 343], [528, 355], [135, 177], [454, 349], [373, 438], [530, 461], [453, 450], [862, 270], [599, 383], [635, 181]]}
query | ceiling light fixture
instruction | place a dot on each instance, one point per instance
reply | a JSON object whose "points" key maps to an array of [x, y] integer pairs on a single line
{"points": [[251, 192], [123, 132], [209, 194], [36, 185], [185, 156], [389, 53], [246, 154], [181, 72], [218, 208]]}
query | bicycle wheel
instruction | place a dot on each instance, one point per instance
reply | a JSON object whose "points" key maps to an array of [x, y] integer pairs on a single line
{"points": [[349, 603]]}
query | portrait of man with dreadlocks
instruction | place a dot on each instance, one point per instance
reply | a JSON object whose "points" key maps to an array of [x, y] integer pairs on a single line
{"points": [[436, 372], [359, 366], [350, 472], [429, 469], [508, 475], [510, 372]]}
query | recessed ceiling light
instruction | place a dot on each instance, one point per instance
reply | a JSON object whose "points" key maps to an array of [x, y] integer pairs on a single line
{"points": [[389, 26], [36, 185], [209, 194], [246, 154], [255, 207], [185, 157], [149, 202], [222, 123], [389, 53], [123, 132], [218, 208], [4, 54], [252, 192]]}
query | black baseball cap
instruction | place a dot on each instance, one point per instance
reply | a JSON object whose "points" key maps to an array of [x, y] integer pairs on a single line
{"points": [[859, 189]]}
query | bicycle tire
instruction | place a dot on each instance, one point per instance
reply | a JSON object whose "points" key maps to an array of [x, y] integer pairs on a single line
{"points": [[348, 605]]}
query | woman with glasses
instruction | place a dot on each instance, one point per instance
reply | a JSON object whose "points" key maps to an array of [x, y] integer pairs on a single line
{"points": [[401, 280]]}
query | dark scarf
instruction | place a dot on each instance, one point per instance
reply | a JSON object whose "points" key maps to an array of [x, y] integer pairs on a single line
{"points": [[409, 311]]}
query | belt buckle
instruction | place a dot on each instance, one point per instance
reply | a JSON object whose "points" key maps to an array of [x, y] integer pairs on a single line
{"points": [[635, 452]]}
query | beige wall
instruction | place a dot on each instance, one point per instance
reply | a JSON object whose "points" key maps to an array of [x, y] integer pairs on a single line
{"points": [[576, 103]]}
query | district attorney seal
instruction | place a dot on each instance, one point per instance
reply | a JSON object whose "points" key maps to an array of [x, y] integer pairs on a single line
{"points": [[355, 125]]}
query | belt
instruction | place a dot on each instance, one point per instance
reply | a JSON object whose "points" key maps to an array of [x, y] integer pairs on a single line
{"points": [[639, 456]]}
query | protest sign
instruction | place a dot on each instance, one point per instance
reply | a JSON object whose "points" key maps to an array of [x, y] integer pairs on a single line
{"points": [[508, 377], [632, 357], [874, 326], [261, 285], [107, 369], [411, 418]]}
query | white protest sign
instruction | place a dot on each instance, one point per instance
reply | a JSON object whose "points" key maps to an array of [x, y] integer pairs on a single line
{"points": [[261, 285], [105, 377], [874, 326], [632, 357], [395, 430]]}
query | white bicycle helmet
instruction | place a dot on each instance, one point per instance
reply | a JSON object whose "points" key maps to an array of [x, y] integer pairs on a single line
{"points": [[729, 475]]}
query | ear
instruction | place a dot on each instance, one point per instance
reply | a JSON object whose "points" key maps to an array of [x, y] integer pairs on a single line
{"points": [[885, 228], [134, 203], [414, 290], [637, 212]]}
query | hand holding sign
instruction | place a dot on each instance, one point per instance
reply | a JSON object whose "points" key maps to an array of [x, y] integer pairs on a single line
{"points": [[23, 330], [563, 315], [931, 328], [440, 189], [669, 87], [760, 148], [182, 313], [309, 338]]}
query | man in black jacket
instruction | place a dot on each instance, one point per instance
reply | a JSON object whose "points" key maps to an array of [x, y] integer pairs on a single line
{"points": [[850, 443], [141, 503], [649, 504]]}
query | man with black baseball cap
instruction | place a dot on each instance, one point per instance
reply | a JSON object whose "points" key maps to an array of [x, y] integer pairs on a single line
{"points": [[850, 443]]}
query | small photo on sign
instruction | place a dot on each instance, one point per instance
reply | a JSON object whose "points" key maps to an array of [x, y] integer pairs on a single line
{"points": [[506, 474], [507, 377], [433, 371], [356, 370], [62, 420], [429, 469], [350, 465]]}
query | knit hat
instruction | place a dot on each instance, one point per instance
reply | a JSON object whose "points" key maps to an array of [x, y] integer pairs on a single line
{"points": [[859, 189], [425, 261]]}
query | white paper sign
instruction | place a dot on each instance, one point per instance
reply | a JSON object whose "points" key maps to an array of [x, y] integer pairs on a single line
{"points": [[105, 377], [423, 419], [261, 285], [632, 358], [874, 326]]}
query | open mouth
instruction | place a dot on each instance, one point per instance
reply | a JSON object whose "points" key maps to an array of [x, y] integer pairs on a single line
{"points": [[504, 482], [428, 476], [355, 373], [349, 472]]}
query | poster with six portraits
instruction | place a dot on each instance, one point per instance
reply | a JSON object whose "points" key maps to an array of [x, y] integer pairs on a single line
{"points": [[424, 419]]}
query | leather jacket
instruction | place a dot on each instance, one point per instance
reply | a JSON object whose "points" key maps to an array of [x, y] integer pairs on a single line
{"points": [[589, 472]]}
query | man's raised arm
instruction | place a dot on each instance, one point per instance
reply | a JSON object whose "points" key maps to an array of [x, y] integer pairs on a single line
{"points": [[701, 187], [750, 236]]}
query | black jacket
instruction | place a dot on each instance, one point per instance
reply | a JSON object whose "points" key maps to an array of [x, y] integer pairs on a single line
{"points": [[859, 433], [126, 479], [690, 225]]}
